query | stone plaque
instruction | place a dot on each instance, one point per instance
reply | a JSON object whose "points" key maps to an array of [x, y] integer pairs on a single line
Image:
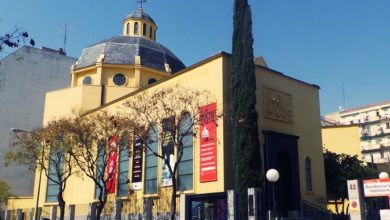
{"points": [[278, 105]]}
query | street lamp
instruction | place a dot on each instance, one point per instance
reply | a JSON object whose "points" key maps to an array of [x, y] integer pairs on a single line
{"points": [[18, 130], [383, 175], [272, 176]]}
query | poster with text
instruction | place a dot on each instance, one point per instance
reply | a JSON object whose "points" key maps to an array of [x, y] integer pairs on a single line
{"points": [[112, 152], [208, 143], [136, 174], [167, 150]]}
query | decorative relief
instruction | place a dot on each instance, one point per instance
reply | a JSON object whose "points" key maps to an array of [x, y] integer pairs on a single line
{"points": [[278, 105]]}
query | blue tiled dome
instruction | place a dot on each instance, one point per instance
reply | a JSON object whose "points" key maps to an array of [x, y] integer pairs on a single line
{"points": [[123, 49], [141, 15]]}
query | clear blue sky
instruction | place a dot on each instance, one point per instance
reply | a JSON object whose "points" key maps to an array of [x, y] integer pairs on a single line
{"points": [[325, 42]]}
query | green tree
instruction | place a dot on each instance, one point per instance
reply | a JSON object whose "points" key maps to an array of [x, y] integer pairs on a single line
{"points": [[338, 169], [46, 150], [4, 193], [246, 145]]}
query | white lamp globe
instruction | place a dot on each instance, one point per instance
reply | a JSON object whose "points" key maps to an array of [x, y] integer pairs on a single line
{"points": [[272, 175], [383, 175]]}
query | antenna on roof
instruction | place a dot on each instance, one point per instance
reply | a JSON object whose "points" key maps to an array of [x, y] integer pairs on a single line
{"points": [[66, 28], [140, 3]]}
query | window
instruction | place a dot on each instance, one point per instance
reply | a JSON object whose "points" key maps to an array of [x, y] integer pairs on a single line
{"points": [[52, 190], [119, 79], [136, 28], [309, 186], [100, 169], [151, 32], [123, 171], [151, 162], [127, 28], [87, 80], [154, 34], [185, 169], [151, 81], [387, 125], [144, 29]]}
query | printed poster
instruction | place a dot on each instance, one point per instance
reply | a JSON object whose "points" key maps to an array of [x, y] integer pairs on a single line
{"points": [[167, 150], [112, 152], [208, 143], [136, 174]]}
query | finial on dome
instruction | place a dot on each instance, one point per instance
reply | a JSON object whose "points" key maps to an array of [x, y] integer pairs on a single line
{"points": [[140, 3]]}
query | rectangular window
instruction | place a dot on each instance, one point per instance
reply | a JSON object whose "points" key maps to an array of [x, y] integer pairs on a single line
{"points": [[100, 169], [123, 174], [387, 125], [52, 189], [186, 165], [151, 164]]}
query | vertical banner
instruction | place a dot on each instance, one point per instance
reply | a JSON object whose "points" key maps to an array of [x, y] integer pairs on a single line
{"points": [[112, 155], [136, 174], [167, 150], [208, 143]]}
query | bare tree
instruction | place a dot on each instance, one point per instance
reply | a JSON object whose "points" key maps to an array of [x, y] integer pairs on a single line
{"points": [[98, 138], [173, 115], [46, 149], [14, 39]]}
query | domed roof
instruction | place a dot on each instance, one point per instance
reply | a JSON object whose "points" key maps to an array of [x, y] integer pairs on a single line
{"points": [[123, 49], [141, 15]]}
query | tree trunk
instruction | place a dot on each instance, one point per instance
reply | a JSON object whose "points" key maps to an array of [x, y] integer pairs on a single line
{"points": [[173, 197], [61, 204]]}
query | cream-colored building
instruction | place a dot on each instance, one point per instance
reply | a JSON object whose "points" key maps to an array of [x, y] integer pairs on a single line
{"points": [[374, 130], [114, 70]]}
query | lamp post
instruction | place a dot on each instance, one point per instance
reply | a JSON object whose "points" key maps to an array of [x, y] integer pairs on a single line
{"points": [[18, 130], [385, 175], [272, 176]]}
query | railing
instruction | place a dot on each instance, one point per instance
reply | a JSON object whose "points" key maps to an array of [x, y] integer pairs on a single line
{"points": [[315, 212]]}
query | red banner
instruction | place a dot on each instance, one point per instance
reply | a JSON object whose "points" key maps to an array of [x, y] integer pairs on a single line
{"points": [[112, 152], [208, 143]]}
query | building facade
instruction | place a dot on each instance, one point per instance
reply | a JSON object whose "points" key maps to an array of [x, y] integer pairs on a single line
{"points": [[25, 76], [374, 130], [117, 69]]}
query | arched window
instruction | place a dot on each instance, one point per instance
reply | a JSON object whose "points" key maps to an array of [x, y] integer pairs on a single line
{"points": [[154, 34], [136, 28], [309, 184], [151, 161], [144, 29], [151, 32], [185, 171], [151, 81], [87, 80], [127, 28]]}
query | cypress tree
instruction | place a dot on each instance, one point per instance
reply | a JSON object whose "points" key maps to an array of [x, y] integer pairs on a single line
{"points": [[246, 144]]}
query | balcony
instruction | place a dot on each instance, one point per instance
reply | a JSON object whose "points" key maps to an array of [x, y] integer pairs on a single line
{"points": [[375, 150]]}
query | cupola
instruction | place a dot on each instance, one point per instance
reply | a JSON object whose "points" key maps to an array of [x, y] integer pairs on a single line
{"points": [[139, 24]]}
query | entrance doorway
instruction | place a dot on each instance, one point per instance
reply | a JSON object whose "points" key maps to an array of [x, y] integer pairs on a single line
{"points": [[208, 207], [281, 153]]}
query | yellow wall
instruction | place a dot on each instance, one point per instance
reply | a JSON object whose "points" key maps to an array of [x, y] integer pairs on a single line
{"points": [[305, 124], [342, 139], [211, 75]]}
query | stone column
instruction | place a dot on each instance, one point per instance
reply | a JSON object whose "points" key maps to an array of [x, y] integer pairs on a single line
{"points": [[53, 212], [231, 202], [72, 209]]}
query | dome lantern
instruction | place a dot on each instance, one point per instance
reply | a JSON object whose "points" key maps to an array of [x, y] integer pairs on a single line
{"points": [[140, 24]]}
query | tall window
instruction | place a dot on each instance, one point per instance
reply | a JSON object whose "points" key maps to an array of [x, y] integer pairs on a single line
{"points": [[309, 186], [144, 29], [123, 173], [185, 171], [127, 28], [136, 28], [151, 162], [100, 169], [56, 166], [150, 32]]}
